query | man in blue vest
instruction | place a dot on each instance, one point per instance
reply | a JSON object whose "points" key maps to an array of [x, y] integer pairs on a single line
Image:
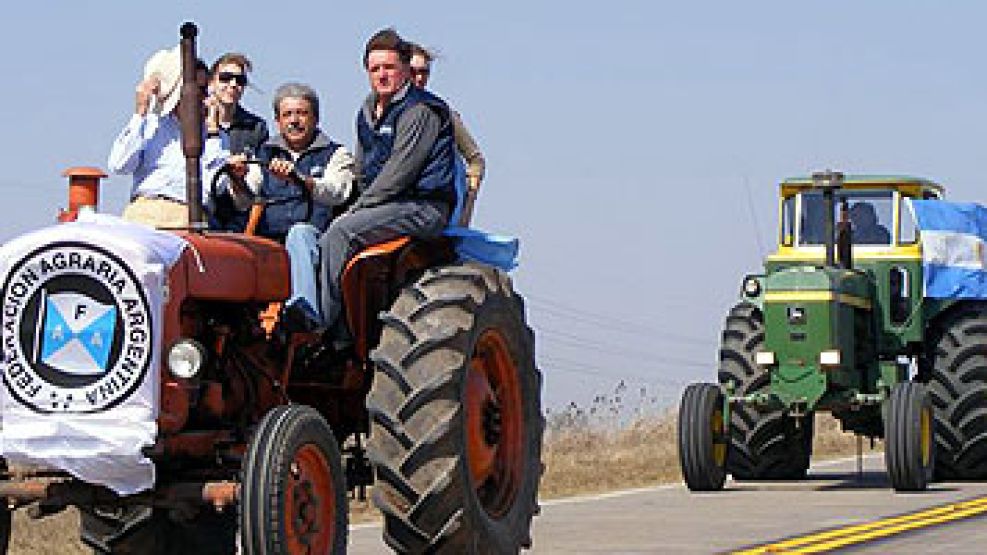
{"points": [[406, 156], [305, 175]]}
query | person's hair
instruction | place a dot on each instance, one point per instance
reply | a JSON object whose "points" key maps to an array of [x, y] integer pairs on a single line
{"points": [[296, 90], [863, 212], [233, 58], [388, 39], [419, 50]]}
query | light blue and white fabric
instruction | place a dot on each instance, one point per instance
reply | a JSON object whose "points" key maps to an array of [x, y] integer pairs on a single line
{"points": [[76, 334], [500, 251], [953, 237], [82, 332]]}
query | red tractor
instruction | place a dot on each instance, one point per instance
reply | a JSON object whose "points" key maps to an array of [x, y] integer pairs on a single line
{"points": [[261, 433]]}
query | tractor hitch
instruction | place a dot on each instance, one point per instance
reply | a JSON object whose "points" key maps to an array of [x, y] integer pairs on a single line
{"points": [[59, 493]]}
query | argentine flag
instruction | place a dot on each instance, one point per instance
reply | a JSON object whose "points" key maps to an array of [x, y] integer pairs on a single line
{"points": [[77, 334], [953, 236]]}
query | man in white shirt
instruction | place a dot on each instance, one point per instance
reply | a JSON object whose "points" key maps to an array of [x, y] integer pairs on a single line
{"points": [[150, 146]]}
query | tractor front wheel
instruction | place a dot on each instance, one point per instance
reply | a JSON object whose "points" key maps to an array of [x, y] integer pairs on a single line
{"points": [[292, 492], [702, 437], [908, 432], [456, 423], [766, 443]]}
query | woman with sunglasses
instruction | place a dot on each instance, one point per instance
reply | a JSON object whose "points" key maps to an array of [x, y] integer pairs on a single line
{"points": [[245, 131]]}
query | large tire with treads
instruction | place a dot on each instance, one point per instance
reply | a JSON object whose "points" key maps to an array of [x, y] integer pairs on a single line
{"points": [[956, 359], [456, 423], [702, 441], [765, 443], [909, 449]]}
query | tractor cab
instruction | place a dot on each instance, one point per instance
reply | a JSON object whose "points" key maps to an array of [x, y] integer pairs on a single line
{"points": [[882, 221]]}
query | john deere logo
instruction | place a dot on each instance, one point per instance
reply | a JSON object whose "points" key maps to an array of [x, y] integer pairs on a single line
{"points": [[76, 329]]}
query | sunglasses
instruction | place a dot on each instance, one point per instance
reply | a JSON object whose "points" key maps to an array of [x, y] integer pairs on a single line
{"points": [[420, 70], [239, 78]]}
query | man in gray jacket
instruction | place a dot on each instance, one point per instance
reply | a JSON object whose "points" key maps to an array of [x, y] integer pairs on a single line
{"points": [[405, 155]]}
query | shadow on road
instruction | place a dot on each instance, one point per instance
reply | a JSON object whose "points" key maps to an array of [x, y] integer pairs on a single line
{"points": [[831, 481]]}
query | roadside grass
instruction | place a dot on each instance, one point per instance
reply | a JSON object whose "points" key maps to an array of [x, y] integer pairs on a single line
{"points": [[588, 453], [621, 440]]}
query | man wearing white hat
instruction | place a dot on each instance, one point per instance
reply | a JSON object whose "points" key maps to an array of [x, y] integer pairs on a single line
{"points": [[150, 146]]}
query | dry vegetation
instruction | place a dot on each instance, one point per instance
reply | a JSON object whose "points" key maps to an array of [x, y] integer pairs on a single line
{"points": [[622, 440], [625, 440]]}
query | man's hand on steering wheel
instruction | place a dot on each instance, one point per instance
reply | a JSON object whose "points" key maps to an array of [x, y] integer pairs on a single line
{"points": [[286, 170], [237, 168]]}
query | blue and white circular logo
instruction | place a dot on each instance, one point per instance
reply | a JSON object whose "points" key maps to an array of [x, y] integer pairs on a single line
{"points": [[76, 329]]}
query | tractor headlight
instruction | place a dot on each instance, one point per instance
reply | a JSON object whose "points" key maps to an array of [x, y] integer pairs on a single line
{"points": [[186, 357], [829, 358], [764, 358], [752, 287]]}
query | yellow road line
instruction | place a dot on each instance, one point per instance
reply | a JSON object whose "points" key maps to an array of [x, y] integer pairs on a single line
{"points": [[842, 537]]}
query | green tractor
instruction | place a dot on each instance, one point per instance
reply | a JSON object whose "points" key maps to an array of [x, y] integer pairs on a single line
{"points": [[838, 322]]}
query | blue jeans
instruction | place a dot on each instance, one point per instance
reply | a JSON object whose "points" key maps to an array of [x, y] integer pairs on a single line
{"points": [[302, 243]]}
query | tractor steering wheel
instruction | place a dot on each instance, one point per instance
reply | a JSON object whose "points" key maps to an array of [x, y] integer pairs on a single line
{"points": [[224, 220]]}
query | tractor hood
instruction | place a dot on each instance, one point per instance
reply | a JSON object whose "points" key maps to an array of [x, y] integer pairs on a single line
{"points": [[809, 315], [231, 267]]}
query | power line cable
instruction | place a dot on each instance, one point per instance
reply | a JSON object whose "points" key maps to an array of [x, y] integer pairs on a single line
{"points": [[594, 346], [574, 366], [612, 323]]}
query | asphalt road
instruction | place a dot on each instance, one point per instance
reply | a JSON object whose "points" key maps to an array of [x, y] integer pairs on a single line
{"points": [[669, 519]]}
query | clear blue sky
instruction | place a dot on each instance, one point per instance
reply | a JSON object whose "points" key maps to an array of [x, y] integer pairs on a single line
{"points": [[619, 135]]}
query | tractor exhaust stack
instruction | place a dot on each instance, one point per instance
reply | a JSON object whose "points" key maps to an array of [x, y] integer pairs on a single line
{"points": [[190, 113], [828, 182]]}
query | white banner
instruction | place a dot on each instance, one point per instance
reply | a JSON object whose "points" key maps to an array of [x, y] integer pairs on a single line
{"points": [[81, 318]]}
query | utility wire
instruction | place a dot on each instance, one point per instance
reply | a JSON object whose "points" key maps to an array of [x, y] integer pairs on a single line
{"points": [[611, 323], [607, 349], [574, 366]]}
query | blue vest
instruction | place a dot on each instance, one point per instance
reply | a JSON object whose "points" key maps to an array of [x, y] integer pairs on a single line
{"points": [[377, 141], [288, 204]]}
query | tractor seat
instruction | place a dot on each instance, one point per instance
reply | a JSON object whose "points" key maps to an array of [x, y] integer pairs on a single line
{"points": [[373, 278]]}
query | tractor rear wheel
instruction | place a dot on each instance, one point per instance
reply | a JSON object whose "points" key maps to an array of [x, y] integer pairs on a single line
{"points": [[957, 358], [909, 451], [702, 438], [292, 492], [765, 443], [456, 423]]}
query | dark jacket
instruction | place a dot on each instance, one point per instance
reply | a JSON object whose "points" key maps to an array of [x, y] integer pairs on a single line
{"points": [[432, 177], [289, 202], [246, 134]]}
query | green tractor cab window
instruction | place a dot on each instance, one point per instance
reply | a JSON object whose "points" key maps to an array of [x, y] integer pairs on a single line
{"points": [[871, 216]]}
